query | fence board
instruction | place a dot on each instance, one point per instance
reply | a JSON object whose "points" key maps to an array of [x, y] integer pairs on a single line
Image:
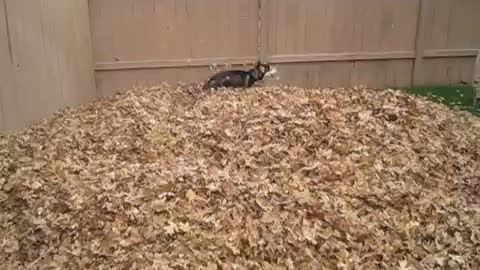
{"points": [[423, 17], [299, 35], [111, 82], [146, 30], [50, 60], [376, 73], [30, 49], [382, 73], [7, 82], [477, 81], [328, 74], [464, 31], [447, 70], [454, 24], [296, 27], [336, 43], [69, 34]]}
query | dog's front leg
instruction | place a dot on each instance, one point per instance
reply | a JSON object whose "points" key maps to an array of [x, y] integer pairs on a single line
{"points": [[246, 83]]}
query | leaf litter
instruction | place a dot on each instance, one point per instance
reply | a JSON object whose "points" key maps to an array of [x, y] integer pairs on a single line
{"points": [[267, 178]]}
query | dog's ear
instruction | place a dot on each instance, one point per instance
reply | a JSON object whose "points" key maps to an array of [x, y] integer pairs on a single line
{"points": [[258, 63]]}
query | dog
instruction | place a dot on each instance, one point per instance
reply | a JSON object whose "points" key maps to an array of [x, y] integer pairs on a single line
{"points": [[239, 78]]}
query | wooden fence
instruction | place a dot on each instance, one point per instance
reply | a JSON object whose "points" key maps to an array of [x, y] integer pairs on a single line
{"points": [[45, 59], [315, 42], [56, 53]]}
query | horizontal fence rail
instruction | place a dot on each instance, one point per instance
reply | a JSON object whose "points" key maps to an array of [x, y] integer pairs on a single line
{"points": [[281, 59], [315, 43], [61, 53]]}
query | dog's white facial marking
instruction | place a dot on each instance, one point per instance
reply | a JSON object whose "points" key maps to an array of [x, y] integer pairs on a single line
{"points": [[271, 73]]}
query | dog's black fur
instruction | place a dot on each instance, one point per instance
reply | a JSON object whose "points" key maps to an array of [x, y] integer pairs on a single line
{"points": [[238, 78]]}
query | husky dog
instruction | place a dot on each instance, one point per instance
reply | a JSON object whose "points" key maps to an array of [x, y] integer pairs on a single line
{"points": [[239, 78]]}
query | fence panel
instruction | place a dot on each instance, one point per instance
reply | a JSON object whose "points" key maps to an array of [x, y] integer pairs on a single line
{"points": [[46, 57], [453, 24], [47, 45], [315, 42], [449, 42], [169, 40], [173, 30], [339, 26], [372, 41], [6, 78]]}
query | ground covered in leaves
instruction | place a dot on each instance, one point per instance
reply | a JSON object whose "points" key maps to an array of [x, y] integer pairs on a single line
{"points": [[267, 178]]}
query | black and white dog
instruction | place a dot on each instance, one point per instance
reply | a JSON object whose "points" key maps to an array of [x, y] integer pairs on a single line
{"points": [[239, 78]]}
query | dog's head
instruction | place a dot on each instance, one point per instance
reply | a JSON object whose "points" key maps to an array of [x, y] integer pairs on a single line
{"points": [[263, 70]]}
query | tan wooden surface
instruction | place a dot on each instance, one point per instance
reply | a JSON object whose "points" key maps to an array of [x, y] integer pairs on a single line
{"points": [[453, 24], [46, 59], [145, 30], [54, 51], [6, 73], [450, 38], [315, 43], [477, 80], [325, 26]]}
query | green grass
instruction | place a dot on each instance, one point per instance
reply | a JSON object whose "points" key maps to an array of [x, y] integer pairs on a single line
{"points": [[460, 96]]}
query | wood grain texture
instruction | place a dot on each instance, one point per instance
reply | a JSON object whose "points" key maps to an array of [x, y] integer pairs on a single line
{"points": [[36, 79], [453, 24], [329, 74], [314, 42], [151, 30], [50, 63], [377, 74], [112, 82], [450, 53], [382, 73], [349, 56], [50, 56], [326, 26], [294, 58], [181, 63], [438, 71], [7, 80], [423, 17], [119, 81], [68, 30], [477, 69], [477, 81]]}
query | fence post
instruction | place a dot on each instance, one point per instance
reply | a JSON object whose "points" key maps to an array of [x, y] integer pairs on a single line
{"points": [[423, 11], [476, 81], [263, 34]]}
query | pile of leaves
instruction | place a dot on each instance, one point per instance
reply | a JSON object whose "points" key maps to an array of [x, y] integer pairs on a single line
{"points": [[265, 178]]}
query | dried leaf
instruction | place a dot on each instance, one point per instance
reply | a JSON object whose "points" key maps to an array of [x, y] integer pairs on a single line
{"points": [[172, 177]]}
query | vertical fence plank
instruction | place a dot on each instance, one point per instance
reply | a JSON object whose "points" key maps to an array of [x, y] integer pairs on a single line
{"points": [[5, 64], [304, 32], [424, 9], [263, 19], [73, 51], [49, 61], [33, 55], [13, 117], [476, 80], [50, 39]]}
